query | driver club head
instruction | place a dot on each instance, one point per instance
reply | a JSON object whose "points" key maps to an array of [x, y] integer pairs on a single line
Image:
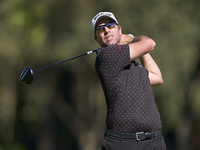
{"points": [[26, 76]]}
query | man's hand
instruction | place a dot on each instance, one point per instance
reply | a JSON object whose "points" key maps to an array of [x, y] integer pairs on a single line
{"points": [[126, 38]]}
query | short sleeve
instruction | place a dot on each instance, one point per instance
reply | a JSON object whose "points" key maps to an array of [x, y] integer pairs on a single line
{"points": [[113, 58]]}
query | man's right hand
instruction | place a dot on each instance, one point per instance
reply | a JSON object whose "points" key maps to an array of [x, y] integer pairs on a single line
{"points": [[126, 39]]}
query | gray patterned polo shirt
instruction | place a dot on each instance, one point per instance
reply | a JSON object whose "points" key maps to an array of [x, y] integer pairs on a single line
{"points": [[129, 97]]}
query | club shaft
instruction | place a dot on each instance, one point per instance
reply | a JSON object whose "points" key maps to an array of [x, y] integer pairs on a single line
{"points": [[87, 53]]}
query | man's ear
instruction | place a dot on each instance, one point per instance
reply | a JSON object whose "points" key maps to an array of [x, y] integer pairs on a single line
{"points": [[120, 30]]}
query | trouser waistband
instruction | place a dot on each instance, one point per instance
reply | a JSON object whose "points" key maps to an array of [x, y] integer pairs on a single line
{"points": [[136, 136]]}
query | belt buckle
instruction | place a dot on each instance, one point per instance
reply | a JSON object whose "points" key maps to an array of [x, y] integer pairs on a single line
{"points": [[137, 135]]}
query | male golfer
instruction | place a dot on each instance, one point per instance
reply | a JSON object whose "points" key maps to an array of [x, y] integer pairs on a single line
{"points": [[133, 121]]}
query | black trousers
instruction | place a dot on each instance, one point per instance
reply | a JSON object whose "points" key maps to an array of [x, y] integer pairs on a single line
{"points": [[156, 143]]}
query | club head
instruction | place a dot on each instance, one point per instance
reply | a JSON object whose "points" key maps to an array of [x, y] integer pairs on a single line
{"points": [[26, 76]]}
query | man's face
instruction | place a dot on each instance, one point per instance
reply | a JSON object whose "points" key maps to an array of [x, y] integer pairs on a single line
{"points": [[108, 36]]}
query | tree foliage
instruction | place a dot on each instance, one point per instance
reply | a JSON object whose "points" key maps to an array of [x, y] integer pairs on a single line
{"points": [[65, 107]]}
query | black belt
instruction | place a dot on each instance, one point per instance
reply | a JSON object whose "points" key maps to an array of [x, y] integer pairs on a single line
{"points": [[136, 136]]}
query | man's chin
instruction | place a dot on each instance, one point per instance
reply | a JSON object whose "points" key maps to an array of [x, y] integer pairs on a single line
{"points": [[110, 43]]}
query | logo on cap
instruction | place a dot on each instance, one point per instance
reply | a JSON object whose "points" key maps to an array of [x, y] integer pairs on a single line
{"points": [[102, 14]]}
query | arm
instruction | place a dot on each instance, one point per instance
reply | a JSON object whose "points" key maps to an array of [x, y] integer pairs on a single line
{"points": [[138, 45], [155, 75]]}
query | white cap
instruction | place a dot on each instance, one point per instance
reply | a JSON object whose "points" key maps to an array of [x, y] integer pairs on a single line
{"points": [[102, 15]]}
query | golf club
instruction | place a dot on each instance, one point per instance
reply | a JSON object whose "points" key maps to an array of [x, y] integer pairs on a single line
{"points": [[26, 76]]}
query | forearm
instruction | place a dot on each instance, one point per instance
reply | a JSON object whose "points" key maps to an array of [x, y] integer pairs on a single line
{"points": [[140, 46], [155, 75]]}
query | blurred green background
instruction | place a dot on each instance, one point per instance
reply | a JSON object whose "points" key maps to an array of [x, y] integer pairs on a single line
{"points": [[65, 109]]}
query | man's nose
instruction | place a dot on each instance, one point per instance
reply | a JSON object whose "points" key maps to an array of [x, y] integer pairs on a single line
{"points": [[106, 30]]}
